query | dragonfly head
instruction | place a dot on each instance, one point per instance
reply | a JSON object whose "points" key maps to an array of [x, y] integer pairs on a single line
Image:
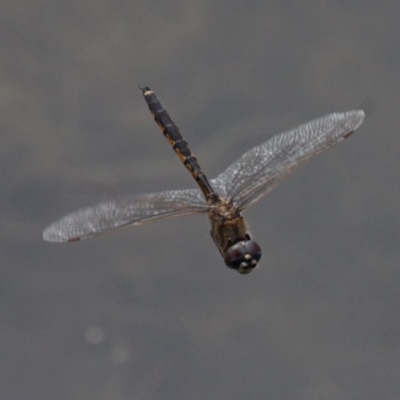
{"points": [[243, 256]]}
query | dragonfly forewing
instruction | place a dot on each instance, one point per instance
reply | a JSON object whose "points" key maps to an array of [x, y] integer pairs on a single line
{"points": [[125, 211], [262, 168]]}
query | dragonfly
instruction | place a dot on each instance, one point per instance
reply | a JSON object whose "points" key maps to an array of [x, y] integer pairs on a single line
{"points": [[223, 199]]}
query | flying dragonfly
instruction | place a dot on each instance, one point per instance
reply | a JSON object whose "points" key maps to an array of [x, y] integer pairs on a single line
{"points": [[223, 199]]}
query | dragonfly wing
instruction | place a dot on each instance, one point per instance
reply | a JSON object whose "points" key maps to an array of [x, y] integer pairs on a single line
{"points": [[123, 211], [262, 168]]}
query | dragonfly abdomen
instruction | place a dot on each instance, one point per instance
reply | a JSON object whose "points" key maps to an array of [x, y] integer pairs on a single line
{"points": [[171, 132]]}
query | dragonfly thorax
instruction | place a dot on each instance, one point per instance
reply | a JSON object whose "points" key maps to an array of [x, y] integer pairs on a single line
{"points": [[224, 210], [227, 226]]}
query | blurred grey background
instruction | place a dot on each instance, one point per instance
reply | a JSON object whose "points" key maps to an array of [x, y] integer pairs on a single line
{"points": [[152, 312]]}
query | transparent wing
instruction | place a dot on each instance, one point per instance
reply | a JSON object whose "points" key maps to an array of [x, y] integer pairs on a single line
{"points": [[123, 211], [262, 168]]}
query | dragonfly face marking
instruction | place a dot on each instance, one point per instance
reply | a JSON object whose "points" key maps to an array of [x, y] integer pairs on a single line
{"points": [[243, 256], [255, 174]]}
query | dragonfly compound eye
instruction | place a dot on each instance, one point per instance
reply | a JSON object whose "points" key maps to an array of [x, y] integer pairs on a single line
{"points": [[243, 256]]}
